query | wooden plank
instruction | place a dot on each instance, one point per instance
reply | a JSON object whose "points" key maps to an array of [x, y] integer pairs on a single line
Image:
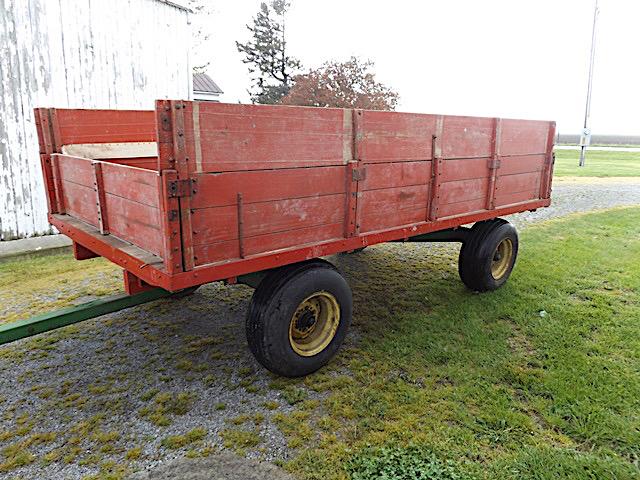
{"points": [[467, 137], [522, 164], [393, 136], [523, 137], [464, 169], [509, 198], [135, 223], [76, 170], [250, 137], [219, 189], [462, 208], [228, 250], [396, 174], [520, 182], [103, 126], [462, 190], [390, 207], [80, 202], [136, 184]]}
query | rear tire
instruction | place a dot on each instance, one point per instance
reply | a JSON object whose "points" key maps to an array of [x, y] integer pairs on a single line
{"points": [[185, 292], [488, 255], [298, 318]]}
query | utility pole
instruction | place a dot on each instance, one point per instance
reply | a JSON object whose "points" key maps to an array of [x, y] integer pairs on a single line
{"points": [[585, 138]]}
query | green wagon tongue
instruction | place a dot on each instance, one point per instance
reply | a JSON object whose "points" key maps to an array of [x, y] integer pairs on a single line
{"points": [[10, 332]]}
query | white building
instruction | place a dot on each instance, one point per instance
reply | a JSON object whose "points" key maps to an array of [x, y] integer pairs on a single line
{"points": [[78, 54]]}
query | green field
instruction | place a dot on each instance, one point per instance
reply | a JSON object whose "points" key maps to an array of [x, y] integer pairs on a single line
{"points": [[598, 164]]}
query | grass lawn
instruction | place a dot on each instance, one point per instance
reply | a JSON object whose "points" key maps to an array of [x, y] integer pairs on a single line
{"points": [[598, 164]]}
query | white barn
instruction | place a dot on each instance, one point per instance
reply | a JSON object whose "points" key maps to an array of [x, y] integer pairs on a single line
{"points": [[78, 54]]}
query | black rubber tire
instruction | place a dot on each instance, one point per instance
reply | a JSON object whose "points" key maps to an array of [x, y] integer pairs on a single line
{"points": [[477, 253], [273, 305], [185, 292], [355, 250]]}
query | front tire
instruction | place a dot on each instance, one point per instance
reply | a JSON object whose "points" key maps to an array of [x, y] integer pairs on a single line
{"points": [[298, 318], [488, 255]]}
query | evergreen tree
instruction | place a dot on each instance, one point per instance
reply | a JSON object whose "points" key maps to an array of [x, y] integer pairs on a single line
{"points": [[266, 54]]}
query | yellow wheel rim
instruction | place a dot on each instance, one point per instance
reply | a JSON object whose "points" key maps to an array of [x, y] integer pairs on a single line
{"points": [[314, 324], [502, 259]]}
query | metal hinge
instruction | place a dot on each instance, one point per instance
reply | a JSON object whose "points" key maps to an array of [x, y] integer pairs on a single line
{"points": [[358, 174], [182, 188], [494, 163]]}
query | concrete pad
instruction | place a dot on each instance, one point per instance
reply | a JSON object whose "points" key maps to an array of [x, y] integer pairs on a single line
{"points": [[25, 246]]}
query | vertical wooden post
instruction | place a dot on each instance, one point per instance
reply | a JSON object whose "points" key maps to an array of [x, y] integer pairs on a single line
{"points": [[358, 170], [43, 128], [547, 171], [494, 163], [350, 160], [55, 165], [101, 203], [183, 167], [240, 225], [170, 220], [436, 169]]}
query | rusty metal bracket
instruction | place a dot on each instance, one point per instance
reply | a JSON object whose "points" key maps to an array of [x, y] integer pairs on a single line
{"points": [[181, 188], [359, 174]]}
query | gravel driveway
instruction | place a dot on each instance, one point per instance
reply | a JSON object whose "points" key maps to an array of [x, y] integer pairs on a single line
{"points": [[140, 390]]}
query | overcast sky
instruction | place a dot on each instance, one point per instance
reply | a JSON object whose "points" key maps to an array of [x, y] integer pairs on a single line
{"points": [[509, 58]]}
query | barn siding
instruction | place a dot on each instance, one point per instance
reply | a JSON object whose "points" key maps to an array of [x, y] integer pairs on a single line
{"points": [[77, 54]]}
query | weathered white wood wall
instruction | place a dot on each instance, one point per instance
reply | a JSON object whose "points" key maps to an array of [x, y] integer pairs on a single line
{"points": [[78, 54]]}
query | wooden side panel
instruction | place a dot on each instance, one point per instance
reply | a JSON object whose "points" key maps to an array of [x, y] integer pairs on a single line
{"points": [[229, 137], [466, 137], [219, 189], [135, 223], [393, 194], [128, 199], [523, 137], [392, 207], [392, 136], [80, 202], [135, 184], [73, 126]]}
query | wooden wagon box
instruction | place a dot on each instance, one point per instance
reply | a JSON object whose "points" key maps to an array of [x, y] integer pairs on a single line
{"points": [[195, 192]]}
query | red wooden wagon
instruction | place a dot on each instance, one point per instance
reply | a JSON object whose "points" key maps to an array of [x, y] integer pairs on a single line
{"points": [[196, 192]]}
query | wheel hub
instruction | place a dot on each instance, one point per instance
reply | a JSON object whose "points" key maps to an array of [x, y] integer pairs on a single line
{"points": [[502, 259], [314, 324], [306, 321]]}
